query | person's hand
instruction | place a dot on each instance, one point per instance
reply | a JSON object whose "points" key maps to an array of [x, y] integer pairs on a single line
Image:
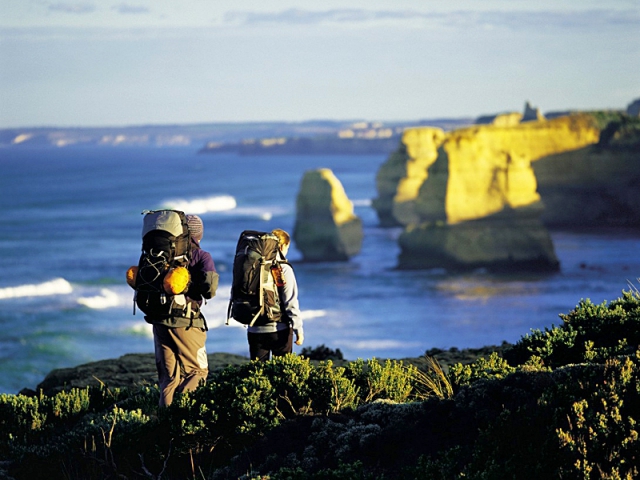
{"points": [[299, 338]]}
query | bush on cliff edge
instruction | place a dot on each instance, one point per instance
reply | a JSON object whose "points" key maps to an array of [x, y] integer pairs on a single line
{"points": [[562, 402]]}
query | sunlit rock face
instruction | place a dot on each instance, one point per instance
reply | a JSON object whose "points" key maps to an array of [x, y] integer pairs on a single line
{"points": [[478, 205], [501, 119], [326, 227], [399, 179], [472, 172], [482, 170]]}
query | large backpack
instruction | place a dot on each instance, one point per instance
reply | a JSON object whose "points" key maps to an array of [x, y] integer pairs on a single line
{"points": [[166, 252], [257, 280]]}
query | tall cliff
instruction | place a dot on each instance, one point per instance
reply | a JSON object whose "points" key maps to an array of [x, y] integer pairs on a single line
{"points": [[399, 179], [326, 227], [477, 205], [485, 169]]}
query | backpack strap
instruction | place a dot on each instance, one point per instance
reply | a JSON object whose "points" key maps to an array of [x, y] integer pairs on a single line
{"points": [[278, 277], [260, 294]]}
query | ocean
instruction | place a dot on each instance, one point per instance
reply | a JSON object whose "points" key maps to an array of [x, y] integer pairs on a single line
{"points": [[71, 223]]}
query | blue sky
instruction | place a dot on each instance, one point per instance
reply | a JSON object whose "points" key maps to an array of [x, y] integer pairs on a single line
{"points": [[132, 62]]}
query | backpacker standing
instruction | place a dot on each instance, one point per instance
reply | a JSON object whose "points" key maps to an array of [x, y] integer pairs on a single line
{"points": [[180, 335], [276, 338]]}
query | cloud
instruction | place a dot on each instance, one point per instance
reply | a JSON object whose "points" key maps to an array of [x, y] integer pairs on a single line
{"points": [[518, 19], [130, 9], [72, 7], [296, 16]]}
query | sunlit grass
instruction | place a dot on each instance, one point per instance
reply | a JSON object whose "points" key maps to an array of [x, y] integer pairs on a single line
{"points": [[433, 382]]}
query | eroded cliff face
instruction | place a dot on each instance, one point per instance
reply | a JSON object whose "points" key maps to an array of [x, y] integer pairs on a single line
{"points": [[472, 172], [480, 185], [481, 170], [326, 227], [399, 179]]}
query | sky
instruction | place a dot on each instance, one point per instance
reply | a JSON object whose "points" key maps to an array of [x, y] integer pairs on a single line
{"points": [[88, 63]]}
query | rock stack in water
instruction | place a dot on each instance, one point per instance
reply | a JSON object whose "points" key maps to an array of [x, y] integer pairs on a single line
{"points": [[326, 227], [399, 179], [477, 204]]}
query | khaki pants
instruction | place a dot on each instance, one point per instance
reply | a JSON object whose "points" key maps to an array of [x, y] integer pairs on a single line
{"points": [[181, 360]]}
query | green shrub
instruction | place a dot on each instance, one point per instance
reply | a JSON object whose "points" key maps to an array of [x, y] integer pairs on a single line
{"points": [[495, 367], [332, 390], [603, 118], [19, 416], [289, 377], [246, 400], [589, 333], [563, 402], [373, 380], [600, 432]]}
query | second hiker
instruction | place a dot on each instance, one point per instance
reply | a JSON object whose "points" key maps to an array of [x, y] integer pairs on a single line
{"points": [[267, 302]]}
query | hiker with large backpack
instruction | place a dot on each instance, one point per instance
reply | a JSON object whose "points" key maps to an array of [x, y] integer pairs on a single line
{"points": [[173, 278], [264, 294]]}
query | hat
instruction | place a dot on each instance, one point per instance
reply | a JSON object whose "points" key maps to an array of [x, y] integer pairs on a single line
{"points": [[196, 229]]}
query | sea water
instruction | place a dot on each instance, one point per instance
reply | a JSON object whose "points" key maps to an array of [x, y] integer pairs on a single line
{"points": [[70, 224]]}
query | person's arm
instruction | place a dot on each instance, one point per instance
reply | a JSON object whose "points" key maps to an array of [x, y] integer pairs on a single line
{"points": [[204, 277], [291, 304]]}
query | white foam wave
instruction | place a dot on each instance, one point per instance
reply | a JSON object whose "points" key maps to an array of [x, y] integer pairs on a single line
{"points": [[58, 286], [219, 203], [309, 314], [264, 213], [140, 328], [106, 299], [364, 202]]}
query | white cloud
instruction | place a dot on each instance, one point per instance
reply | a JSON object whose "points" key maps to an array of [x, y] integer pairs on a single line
{"points": [[72, 7], [161, 61], [130, 9], [514, 19]]}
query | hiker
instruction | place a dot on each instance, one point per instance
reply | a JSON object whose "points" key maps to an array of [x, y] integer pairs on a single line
{"points": [[181, 357], [276, 338]]}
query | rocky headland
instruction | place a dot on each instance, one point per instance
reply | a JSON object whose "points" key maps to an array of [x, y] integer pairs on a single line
{"points": [[484, 196]]}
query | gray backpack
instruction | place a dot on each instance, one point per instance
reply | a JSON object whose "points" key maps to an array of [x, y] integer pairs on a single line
{"points": [[166, 244]]}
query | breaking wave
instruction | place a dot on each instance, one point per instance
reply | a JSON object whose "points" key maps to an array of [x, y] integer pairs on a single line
{"points": [[363, 202], [106, 299], [219, 203], [309, 314], [58, 286]]}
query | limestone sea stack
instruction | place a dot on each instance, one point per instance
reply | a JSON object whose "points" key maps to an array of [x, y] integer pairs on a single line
{"points": [[399, 179], [326, 228], [478, 205]]}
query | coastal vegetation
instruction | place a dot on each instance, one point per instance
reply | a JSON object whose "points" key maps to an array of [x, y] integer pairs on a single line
{"points": [[562, 402]]}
